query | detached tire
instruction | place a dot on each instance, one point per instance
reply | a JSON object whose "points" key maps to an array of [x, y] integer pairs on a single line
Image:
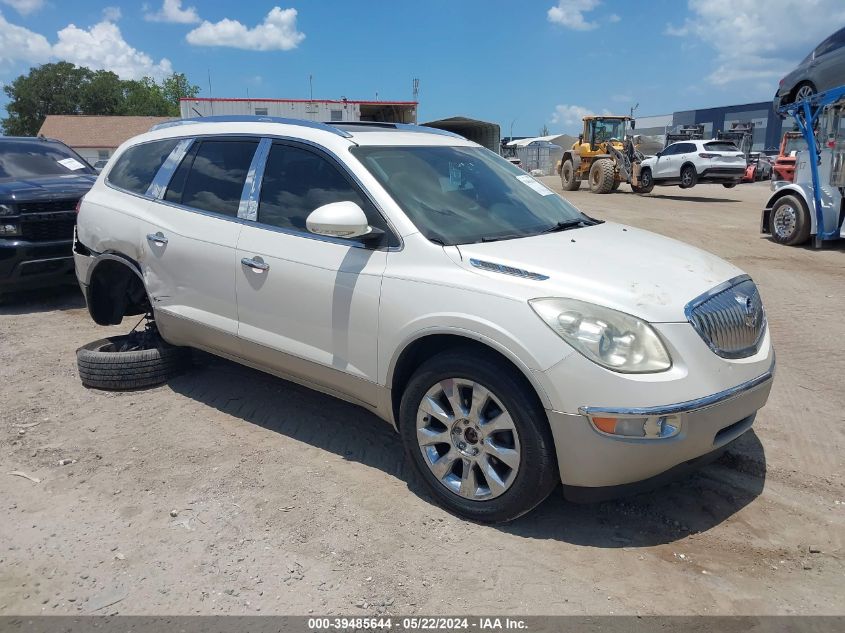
{"points": [[602, 176], [477, 434], [102, 366]]}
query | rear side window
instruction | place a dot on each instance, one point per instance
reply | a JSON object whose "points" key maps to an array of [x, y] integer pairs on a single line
{"points": [[137, 167], [211, 178], [297, 181], [721, 147]]}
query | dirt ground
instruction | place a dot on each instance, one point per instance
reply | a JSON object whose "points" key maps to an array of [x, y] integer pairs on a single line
{"points": [[290, 502]]}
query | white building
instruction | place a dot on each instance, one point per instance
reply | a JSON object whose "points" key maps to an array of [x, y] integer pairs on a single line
{"points": [[309, 109]]}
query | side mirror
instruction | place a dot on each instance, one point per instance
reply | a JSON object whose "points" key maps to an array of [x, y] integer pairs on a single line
{"points": [[340, 219], [633, 125], [659, 154]]}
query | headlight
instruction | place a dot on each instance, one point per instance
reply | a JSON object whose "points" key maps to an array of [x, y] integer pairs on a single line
{"points": [[613, 339], [6, 209], [7, 230]]}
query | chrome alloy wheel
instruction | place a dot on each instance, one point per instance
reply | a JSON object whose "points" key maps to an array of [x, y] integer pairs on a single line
{"points": [[804, 92], [468, 439], [785, 221]]}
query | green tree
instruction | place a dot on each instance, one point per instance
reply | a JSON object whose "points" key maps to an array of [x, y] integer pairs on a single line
{"points": [[146, 98], [48, 89], [103, 93], [178, 87], [62, 88]]}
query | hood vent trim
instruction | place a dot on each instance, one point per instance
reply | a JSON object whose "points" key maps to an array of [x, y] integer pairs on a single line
{"points": [[506, 270]]}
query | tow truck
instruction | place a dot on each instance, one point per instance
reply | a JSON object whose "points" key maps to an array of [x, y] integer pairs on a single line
{"points": [[812, 205]]}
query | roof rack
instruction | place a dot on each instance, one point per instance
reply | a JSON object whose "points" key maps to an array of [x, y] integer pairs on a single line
{"points": [[337, 127], [401, 127], [245, 118]]}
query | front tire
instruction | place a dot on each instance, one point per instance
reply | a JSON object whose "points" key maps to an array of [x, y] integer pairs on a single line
{"points": [[789, 222], [568, 179], [602, 176], [478, 436], [688, 177]]}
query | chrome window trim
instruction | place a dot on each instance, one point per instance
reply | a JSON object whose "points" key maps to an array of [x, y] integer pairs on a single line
{"points": [[339, 163], [248, 207], [687, 406], [144, 195], [272, 137], [162, 178]]}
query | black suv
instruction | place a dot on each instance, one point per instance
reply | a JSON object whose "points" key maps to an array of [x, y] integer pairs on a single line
{"points": [[41, 181]]}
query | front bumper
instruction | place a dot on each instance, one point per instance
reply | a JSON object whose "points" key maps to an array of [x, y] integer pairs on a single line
{"points": [[25, 264], [589, 459]]}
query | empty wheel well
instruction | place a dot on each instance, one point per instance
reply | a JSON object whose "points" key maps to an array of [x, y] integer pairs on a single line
{"points": [[426, 347], [116, 291]]}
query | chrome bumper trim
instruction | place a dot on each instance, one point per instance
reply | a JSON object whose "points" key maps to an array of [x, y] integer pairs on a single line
{"points": [[684, 407]]}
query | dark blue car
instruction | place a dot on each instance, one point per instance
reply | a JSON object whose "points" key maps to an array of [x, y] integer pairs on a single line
{"points": [[41, 181]]}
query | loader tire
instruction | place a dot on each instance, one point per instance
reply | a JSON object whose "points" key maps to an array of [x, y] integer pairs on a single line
{"points": [[568, 178], [602, 176], [102, 366]]}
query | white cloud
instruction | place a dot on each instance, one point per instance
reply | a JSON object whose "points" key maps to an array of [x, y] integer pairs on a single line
{"points": [[570, 13], [102, 47], [172, 11], [758, 42], [24, 7], [112, 14], [276, 32], [569, 116], [19, 44], [614, 17]]}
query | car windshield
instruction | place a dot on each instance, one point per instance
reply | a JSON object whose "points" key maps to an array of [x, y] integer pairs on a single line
{"points": [[795, 144], [31, 159], [462, 195]]}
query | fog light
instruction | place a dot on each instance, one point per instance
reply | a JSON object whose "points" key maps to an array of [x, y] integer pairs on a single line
{"points": [[646, 427], [10, 229]]}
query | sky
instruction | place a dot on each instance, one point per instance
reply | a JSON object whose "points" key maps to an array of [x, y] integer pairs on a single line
{"points": [[522, 64]]}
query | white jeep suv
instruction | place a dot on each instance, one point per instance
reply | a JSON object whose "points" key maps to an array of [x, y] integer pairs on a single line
{"points": [[514, 342], [688, 163]]}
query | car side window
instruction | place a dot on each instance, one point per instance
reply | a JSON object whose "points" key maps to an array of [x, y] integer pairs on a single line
{"points": [[137, 166], [296, 181], [686, 148], [211, 177], [671, 150], [835, 41]]}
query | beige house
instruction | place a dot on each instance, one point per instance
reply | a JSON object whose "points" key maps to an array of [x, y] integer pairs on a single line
{"points": [[96, 137]]}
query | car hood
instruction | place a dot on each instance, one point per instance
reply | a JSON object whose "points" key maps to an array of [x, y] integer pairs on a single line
{"points": [[45, 188], [635, 271]]}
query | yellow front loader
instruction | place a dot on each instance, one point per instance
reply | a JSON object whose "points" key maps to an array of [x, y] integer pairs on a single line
{"points": [[604, 156]]}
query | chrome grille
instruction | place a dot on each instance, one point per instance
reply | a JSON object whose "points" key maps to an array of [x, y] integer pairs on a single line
{"points": [[730, 318]]}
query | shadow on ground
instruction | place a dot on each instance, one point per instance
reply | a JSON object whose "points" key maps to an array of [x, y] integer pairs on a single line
{"points": [[691, 505], [691, 198], [64, 297]]}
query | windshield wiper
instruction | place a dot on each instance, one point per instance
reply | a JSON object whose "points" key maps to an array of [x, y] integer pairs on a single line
{"points": [[500, 237], [565, 225]]}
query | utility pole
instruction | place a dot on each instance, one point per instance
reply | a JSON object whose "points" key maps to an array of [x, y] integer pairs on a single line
{"points": [[210, 95], [634, 107], [311, 87]]}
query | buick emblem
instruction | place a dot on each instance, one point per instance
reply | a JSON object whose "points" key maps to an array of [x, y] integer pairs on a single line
{"points": [[747, 302]]}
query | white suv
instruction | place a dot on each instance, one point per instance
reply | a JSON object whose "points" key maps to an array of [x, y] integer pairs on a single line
{"points": [[688, 163], [513, 341]]}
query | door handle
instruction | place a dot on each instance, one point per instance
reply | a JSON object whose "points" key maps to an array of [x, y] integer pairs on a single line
{"points": [[257, 266], [157, 238]]}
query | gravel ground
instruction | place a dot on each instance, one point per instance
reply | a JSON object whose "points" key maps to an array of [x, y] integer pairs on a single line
{"points": [[230, 491]]}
